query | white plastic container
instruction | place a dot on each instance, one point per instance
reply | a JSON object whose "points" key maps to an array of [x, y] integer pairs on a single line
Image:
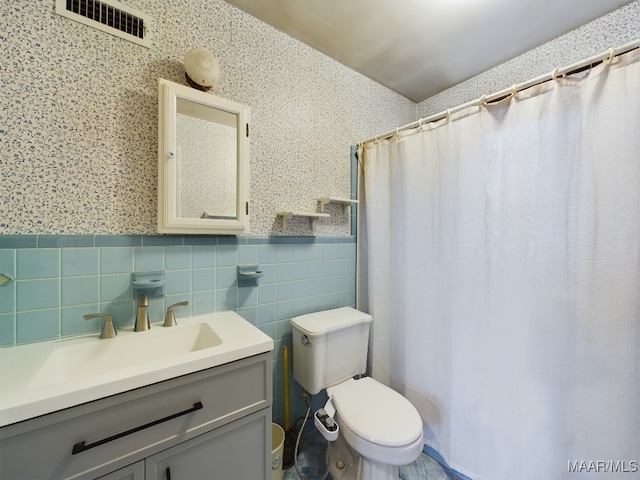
{"points": [[277, 447], [329, 347]]}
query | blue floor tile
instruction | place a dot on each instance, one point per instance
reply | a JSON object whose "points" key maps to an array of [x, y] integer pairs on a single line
{"points": [[311, 462]]}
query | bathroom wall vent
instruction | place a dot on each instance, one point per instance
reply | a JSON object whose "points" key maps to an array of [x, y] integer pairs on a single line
{"points": [[110, 17]]}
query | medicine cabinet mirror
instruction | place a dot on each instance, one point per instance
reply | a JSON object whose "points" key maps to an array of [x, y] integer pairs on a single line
{"points": [[203, 162]]}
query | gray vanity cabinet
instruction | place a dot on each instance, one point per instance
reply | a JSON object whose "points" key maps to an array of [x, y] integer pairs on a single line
{"points": [[233, 452], [210, 424], [130, 472]]}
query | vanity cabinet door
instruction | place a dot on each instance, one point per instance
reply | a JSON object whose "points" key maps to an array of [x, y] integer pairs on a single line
{"points": [[238, 451], [130, 472]]}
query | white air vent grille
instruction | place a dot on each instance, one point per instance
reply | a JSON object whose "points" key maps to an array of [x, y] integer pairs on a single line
{"points": [[108, 16]]}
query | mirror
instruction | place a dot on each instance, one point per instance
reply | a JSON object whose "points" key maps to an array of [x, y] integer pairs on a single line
{"points": [[203, 162]]}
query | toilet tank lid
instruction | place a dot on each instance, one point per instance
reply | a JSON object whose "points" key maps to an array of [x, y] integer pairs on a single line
{"points": [[326, 321]]}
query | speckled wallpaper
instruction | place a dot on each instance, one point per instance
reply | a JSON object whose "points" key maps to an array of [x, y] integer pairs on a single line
{"points": [[78, 112], [78, 117], [617, 28]]}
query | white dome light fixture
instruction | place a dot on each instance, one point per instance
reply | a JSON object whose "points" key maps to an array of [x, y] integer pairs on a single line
{"points": [[201, 68]]}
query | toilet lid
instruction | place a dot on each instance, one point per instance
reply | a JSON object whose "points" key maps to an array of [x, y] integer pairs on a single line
{"points": [[377, 413]]}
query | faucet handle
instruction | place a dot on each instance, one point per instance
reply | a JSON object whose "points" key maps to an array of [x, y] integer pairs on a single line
{"points": [[170, 319], [109, 329]]}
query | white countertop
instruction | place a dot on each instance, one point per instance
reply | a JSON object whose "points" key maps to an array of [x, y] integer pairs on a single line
{"points": [[22, 398]]}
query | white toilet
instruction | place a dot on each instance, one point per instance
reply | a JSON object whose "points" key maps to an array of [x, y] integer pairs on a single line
{"points": [[378, 429]]}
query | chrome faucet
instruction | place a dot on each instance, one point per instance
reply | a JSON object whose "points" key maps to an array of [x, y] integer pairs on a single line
{"points": [[108, 330], [170, 319], [142, 316]]}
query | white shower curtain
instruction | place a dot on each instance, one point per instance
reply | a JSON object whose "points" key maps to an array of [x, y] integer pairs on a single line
{"points": [[499, 259]]}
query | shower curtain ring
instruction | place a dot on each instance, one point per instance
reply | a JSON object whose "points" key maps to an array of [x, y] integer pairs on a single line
{"points": [[448, 114], [554, 74], [420, 123], [482, 101], [612, 54], [375, 140], [514, 92]]}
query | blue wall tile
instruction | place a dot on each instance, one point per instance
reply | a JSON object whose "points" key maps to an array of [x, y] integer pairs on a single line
{"points": [[155, 240], [203, 302], [203, 279], [267, 313], [284, 310], [226, 299], [8, 292], [122, 312], [148, 259], [7, 329], [178, 281], [80, 261], [204, 256], [284, 291], [60, 241], [250, 314], [18, 241], [200, 240], [300, 306], [118, 241], [247, 255], [116, 260], [284, 253], [37, 325], [300, 271], [156, 310], [284, 272], [57, 285], [73, 322], [38, 263], [37, 294], [301, 289], [269, 329], [267, 293], [266, 254], [80, 290], [268, 273], [226, 277], [177, 258], [8, 262], [115, 287], [247, 296], [227, 255], [8, 298], [315, 252], [283, 327]]}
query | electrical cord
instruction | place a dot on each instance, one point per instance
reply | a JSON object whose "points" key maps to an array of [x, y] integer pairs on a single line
{"points": [[307, 401]]}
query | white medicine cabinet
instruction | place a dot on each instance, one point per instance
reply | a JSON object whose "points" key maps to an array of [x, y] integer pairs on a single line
{"points": [[203, 162]]}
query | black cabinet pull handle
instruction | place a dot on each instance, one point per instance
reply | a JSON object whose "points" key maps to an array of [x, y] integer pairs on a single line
{"points": [[167, 473], [81, 446]]}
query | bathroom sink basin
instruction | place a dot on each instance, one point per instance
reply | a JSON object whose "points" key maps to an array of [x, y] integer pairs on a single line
{"points": [[88, 359], [45, 377]]}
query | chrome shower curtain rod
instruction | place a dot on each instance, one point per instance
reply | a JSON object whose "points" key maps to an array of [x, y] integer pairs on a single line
{"points": [[606, 56]]}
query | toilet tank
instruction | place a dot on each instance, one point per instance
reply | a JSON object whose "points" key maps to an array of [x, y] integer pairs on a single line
{"points": [[329, 347]]}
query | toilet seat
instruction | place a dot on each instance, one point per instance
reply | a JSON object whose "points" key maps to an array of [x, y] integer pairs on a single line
{"points": [[376, 413]]}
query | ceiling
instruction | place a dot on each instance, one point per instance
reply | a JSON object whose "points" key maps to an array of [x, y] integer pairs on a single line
{"points": [[419, 48]]}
